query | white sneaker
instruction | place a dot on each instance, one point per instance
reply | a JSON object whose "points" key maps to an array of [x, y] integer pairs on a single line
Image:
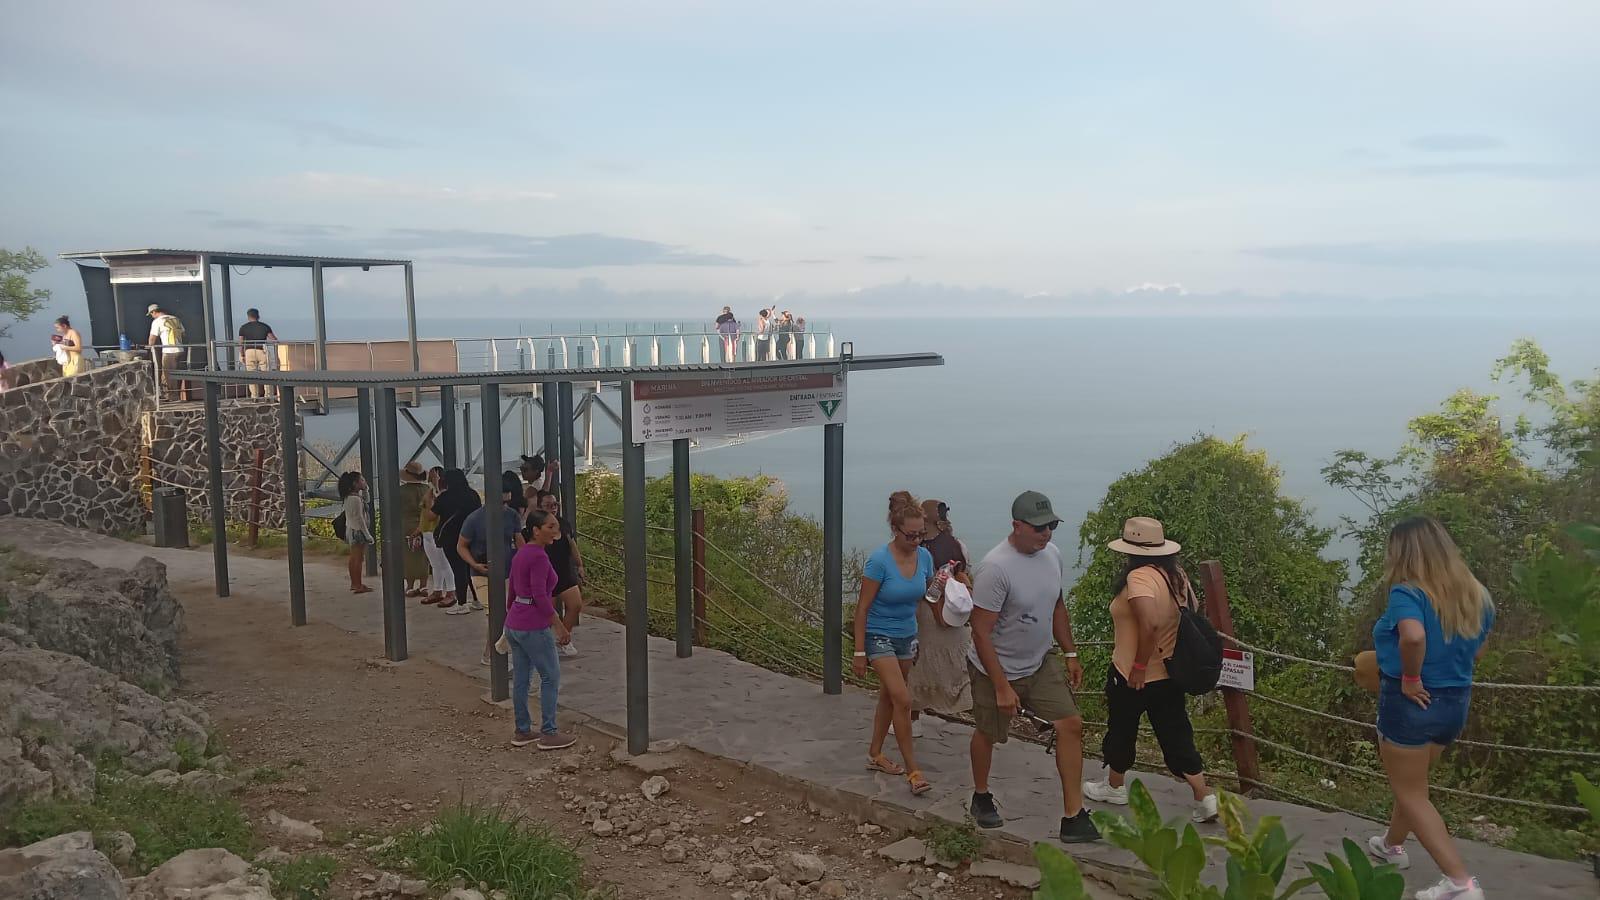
{"points": [[1382, 852], [568, 649], [1447, 890], [477, 606], [1103, 792], [1205, 810], [458, 610]]}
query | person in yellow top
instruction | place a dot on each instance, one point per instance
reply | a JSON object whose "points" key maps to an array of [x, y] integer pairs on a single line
{"points": [[1144, 622], [68, 347]]}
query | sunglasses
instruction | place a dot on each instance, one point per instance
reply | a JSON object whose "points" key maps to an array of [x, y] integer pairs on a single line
{"points": [[910, 535], [1048, 526]]}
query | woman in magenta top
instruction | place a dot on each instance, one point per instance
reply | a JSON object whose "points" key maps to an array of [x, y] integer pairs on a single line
{"points": [[533, 630]]}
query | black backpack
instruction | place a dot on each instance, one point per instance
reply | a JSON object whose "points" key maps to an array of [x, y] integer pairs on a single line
{"points": [[339, 527], [1196, 661]]}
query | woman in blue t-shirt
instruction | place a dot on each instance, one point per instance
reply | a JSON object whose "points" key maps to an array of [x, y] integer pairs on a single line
{"points": [[1428, 643], [893, 582]]}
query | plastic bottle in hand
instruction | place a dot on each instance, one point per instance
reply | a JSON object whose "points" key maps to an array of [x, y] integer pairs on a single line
{"points": [[936, 587]]}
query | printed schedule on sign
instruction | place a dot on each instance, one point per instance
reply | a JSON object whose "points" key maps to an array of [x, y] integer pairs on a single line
{"points": [[696, 408]]}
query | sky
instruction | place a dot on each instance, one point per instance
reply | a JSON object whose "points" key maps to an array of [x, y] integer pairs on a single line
{"points": [[972, 158]]}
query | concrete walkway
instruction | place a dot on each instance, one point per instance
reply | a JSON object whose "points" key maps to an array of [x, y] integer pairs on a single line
{"points": [[721, 705]]}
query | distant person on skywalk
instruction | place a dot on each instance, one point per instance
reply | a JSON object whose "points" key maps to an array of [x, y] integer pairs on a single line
{"points": [[1017, 610], [253, 337], [1428, 642], [1144, 621], [765, 331], [728, 327], [893, 582]]}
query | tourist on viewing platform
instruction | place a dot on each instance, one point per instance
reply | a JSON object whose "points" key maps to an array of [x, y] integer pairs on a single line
{"points": [[938, 681], [441, 579], [785, 337], [1144, 621], [357, 530], [568, 564], [253, 337], [1016, 611], [455, 502], [166, 332], [1428, 642], [532, 633], [893, 582], [765, 329], [473, 544], [728, 327], [67, 346], [414, 502], [800, 338]]}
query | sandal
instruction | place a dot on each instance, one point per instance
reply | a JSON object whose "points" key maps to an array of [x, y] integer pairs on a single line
{"points": [[884, 764], [364, 589], [919, 785]]}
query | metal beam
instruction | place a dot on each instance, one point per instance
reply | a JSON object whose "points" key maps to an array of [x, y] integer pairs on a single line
{"points": [[229, 335], [552, 423], [287, 426], [832, 559], [494, 513], [394, 585], [636, 587], [447, 421], [320, 317], [210, 311], [682, 547], [426, 435], [411, 331], [466, 436], [368, 469], [569, 456], [219, 513]]}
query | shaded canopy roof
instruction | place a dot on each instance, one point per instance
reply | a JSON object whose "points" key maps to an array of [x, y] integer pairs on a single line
{"points": [[241, 258]]}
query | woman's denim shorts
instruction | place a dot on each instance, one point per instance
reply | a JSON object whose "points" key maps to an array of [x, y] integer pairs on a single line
{"points": [[1405, 724], [880, 645]]}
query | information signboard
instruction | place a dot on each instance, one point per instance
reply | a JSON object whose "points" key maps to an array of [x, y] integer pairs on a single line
{"points": [[1238, 669], [155, 270], [721, 407]]}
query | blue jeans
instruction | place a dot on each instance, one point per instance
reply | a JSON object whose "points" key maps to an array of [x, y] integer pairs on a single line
{"points": [[881, 645], [534, 650], [1405, 724]]}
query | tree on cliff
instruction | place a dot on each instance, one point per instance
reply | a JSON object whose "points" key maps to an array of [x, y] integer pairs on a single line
{"points": [[1221, 500], [18, 298]]}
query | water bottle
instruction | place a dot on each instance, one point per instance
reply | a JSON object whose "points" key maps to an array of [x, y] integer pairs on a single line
{"points": [[936, 587], [123, 343]]}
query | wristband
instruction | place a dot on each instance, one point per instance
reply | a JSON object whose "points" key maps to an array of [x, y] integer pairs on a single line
{"points": [[1411, 679], [1139, 666], [861, 653], [1071, 654]]}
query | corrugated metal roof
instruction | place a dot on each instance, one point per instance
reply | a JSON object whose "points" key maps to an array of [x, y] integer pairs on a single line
{"points": [[306, 378], [236, 257]]}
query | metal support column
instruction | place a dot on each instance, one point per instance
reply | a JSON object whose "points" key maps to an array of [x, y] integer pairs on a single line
{"points": [[287, 426], [319, 314], [392, 536], [832, 559], [210, 312], [466, 436], [637, 602], [447, 425], [569, 456], [683, 547], [228, 334], [219, 513], [494, 513], [552, 422], [122, 326], [411, 332], [369, 471]]}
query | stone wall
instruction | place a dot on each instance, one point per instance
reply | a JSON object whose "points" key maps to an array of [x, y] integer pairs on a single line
{"points": [[176, 438], [31, 372], [69, 449]]}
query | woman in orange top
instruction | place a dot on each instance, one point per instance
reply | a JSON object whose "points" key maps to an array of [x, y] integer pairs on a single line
{"points": [[1144, 619]]}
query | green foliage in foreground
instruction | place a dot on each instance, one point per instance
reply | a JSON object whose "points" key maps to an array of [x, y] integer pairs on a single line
{"points": [[954, 843], [488, 843], [164, 821], [304, 877]]}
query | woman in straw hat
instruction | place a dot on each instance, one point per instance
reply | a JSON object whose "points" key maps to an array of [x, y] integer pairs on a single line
{"points": [[1144, 621], [415, 498], [1428, 642]]}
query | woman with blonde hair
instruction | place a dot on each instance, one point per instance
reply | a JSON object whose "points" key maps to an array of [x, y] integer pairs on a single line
{"points": [[1428, 642], [893, 582]]}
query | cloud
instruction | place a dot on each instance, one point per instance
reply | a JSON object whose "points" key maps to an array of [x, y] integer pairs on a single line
{"points": [[334, 133], [370, 186], [1456, 143], [813, 262], [492, 249], [880, 259], [1150, 287], [1533, 171], [1485, 255], [262, 226]]}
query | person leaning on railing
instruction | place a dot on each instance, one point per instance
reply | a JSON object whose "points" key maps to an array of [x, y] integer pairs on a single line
{"points": [[1428, 642]]}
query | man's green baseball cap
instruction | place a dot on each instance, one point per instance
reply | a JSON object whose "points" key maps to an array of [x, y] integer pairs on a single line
{"points": [[1034, 508]]}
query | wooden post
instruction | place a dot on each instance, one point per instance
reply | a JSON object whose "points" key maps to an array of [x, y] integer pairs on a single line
{"points": [[698, 529], [1237, 704], [255, 499]]}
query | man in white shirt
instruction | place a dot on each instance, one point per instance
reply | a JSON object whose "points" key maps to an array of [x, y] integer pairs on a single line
{"points": [[168, 336]]}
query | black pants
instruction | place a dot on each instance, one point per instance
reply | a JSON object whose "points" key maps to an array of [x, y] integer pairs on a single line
{"points": [[458, 566], [1164, 702]]}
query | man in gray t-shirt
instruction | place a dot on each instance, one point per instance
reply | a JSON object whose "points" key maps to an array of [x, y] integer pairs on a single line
{"points": [[1017, 613]]}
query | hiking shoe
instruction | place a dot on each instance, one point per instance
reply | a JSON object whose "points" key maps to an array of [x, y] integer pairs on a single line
{"points": [[1078, 829], [556, 741], [1103, 792], [522, 738], [984, 812], [1382, 852], [1205, 809], [568, 649], [1449, 890]]}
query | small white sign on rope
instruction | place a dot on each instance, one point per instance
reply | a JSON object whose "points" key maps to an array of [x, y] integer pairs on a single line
{"points": [[1238, 669]]}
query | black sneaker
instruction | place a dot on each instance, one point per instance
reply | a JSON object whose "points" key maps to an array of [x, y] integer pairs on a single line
{"points": [[984, 812], [1079, 829]]}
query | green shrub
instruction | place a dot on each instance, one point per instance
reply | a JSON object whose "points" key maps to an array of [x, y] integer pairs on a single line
{"points": [[304, 877], [488, 843], [954, 843]]}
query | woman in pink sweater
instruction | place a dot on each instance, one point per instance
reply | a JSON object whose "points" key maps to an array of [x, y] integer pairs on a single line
{"points": [[533, 630]]}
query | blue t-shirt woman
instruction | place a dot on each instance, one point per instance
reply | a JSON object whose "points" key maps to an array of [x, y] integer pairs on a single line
{"points": [[1447, 667], [893, 612]]}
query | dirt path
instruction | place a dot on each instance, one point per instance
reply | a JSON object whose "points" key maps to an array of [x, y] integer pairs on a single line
{"points": [[365, 747]]}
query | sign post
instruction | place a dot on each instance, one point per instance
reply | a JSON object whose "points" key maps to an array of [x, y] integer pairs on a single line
{"points": [[700, 408]]}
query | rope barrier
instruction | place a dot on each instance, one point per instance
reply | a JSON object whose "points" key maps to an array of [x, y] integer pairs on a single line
{"points": [[1490, 685]]}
